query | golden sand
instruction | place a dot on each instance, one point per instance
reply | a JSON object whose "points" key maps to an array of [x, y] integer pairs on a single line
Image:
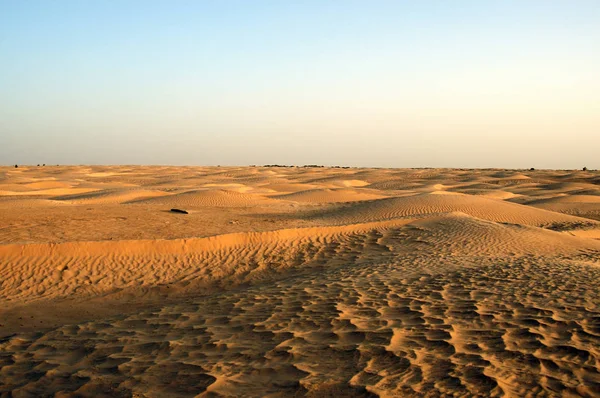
{"points": [[298, 282]]}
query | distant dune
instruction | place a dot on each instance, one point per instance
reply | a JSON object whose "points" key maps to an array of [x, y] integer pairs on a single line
{"points": [[331, 195], [298, 282]]}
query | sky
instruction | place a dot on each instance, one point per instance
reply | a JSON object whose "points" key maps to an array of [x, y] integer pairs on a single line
{"points": [[509, 84]]}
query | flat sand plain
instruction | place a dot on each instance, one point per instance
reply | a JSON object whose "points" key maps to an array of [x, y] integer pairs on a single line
{"points": [[298, 282]]}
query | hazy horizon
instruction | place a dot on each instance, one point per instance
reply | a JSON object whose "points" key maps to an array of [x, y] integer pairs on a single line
{"points": [[325, 166], [383, 84]]}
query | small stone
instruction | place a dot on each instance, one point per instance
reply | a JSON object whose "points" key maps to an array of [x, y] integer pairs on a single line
{"points": [[179, 211]]}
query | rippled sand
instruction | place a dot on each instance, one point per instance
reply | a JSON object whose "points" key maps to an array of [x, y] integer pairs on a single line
{"points": [[298, 282]]}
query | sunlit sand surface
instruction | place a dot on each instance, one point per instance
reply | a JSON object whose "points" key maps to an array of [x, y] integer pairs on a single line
{"points": [[298, 282]]}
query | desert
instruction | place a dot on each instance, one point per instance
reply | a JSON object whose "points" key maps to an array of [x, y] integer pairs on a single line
{"points": [[298, 281]]}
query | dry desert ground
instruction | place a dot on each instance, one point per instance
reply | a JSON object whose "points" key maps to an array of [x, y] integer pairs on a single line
{"points": [[298, 282]]}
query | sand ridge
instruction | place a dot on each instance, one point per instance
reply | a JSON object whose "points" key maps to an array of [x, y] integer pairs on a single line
{"points": [[330, 195]]}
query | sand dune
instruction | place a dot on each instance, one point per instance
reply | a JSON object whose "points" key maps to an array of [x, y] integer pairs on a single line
{"points": [[298, 282], [48, 192], [587, 206], [350, 183], [208, 198], [47, 185], [567, 199], [110, 196], [502, 195], [445, 202], [40, 271], [330, 195], [288, 187]]}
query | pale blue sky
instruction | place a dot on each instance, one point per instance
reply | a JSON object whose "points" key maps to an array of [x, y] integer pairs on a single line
{"points": [[360, 83]]}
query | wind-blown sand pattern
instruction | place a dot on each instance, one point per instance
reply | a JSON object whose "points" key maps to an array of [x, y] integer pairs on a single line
{"points": [[298, 282]]}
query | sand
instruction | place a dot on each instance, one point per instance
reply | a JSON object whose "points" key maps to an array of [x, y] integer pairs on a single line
{"points": [[298, 282]]}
